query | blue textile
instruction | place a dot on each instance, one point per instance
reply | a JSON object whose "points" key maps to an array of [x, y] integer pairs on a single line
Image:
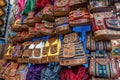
{"points": [[83, 31]]}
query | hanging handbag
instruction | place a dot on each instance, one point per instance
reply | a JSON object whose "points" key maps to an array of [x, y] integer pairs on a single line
{"points": [[61, 20], [94, 45], [51, 50], [102, 66], [45, 54], [37, 52], [62, 26], [61, 8], [47, 13], [63, 29], [72, 52], [99, 6], [79, 17], [49, 25], [74, 4], [103, 31], [112, 29], [33, 33], [38, 17], [72, 37], [30, 19], [37, 49], [26, 53], [41, 27]]}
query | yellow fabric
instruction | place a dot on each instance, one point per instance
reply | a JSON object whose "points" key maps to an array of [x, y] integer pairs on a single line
{"points": [[15, 24], [10, 47], [58, 42]]}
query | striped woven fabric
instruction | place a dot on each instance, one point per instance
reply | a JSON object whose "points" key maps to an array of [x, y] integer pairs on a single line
{"points": [[61, 20], [77, 17], [93, 45]]}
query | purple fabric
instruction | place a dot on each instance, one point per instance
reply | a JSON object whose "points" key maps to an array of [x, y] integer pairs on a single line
{"points": [[16, 52], [34, 72]]}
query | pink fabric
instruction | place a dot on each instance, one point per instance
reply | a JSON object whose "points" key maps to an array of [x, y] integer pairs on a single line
{"points": [[21, 4]]}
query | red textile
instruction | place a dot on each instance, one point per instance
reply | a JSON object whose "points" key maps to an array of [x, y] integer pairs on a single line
{"points": [[76, 73], [42, 3]]}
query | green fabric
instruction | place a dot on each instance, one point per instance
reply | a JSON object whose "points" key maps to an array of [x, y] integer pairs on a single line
{"points": [[30, 6]]}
